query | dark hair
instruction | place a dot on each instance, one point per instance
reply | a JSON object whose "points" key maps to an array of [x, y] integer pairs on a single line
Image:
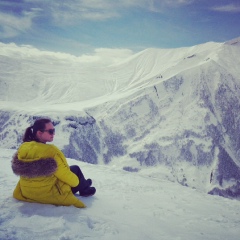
{"points": [[30, 132]]}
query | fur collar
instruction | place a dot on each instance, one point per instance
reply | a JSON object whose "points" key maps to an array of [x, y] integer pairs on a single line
{"points": [[37, 168]]}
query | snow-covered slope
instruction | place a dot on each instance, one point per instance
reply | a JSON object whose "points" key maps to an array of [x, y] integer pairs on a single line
{"points": [[166, 109], [132, 206]]}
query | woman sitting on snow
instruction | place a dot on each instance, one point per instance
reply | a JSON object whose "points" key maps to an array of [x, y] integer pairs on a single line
{"points": [[45, 176]]}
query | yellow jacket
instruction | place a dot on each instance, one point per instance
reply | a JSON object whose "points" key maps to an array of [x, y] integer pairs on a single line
{"points": [[45, 176]]}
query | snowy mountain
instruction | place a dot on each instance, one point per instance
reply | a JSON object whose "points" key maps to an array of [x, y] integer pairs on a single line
{"points": [[169, 110]]}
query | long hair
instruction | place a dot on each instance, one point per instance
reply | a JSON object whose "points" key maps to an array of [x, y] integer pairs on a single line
{"points": [[31, 132]]}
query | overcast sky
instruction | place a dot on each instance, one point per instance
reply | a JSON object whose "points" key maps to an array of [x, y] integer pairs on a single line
{"points": [[82, 26]]}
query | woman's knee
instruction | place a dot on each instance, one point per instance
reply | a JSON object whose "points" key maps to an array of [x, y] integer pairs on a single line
{"points": [[75, 169]]}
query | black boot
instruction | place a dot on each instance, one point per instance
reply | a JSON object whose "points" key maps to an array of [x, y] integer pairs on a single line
{"points": [[90, 191], [89, 182]]}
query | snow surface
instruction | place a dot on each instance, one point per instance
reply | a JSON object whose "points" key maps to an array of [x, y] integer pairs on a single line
{"points": [[166, 113], [131, 206]]}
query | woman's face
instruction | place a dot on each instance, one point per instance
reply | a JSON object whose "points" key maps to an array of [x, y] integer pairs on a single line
{"points": [[48, 134]]}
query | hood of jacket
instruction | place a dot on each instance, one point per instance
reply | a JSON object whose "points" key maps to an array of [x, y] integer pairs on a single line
{"points": [[36, 168]]}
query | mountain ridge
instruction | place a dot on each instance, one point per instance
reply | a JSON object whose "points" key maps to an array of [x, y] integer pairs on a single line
{"points": [[177, 110]]}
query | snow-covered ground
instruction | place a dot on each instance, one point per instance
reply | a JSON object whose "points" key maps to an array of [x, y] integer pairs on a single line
{"points": [[126, 206]]}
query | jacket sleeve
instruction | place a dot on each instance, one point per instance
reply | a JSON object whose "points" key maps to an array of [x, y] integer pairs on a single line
{"points": [[63, 172]]}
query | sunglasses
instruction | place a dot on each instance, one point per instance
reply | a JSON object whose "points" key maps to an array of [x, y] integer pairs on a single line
{"points": [[50, 131]]}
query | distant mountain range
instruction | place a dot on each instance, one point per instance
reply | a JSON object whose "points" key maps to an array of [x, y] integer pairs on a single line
{"points": [[174, 110]]}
